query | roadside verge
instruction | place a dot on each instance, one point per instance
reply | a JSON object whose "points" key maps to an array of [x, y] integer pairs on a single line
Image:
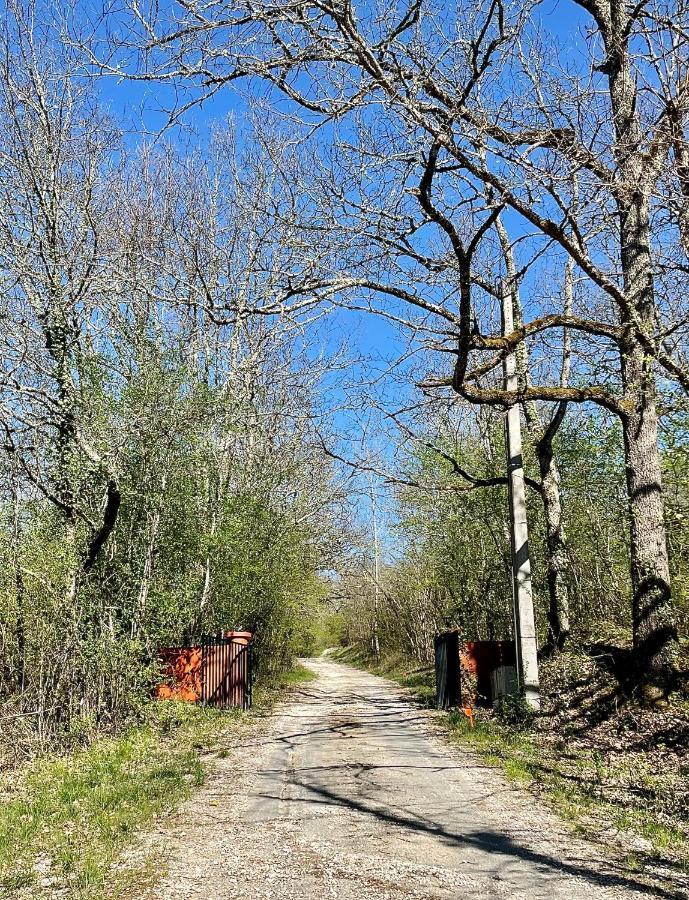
{"points": [[65, 820]]}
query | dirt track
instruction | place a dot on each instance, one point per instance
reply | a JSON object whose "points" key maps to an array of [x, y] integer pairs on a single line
{"points": [[349, 792]]}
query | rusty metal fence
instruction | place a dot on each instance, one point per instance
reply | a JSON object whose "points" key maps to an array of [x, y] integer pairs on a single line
{"points": [[227, 670]]}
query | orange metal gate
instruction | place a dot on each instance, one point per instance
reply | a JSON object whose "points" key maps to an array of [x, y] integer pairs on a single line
{"points": [[227, 669]]}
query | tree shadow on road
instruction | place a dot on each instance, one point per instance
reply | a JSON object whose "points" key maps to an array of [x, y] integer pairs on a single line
{"points": [[492, 842]]}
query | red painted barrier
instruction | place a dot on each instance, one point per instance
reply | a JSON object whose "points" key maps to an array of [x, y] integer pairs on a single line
{"points": [[182, 673], [221, 662], [478, 659], [227, 669]]}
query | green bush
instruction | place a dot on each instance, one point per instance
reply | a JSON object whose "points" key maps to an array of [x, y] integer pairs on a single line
{"points": [[513, 710]]}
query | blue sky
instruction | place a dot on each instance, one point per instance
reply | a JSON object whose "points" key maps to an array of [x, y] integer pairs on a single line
{"points": [[142, 108]]}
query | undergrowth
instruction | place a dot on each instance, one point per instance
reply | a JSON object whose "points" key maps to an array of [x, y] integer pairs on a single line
{"points": [[65, 820]]}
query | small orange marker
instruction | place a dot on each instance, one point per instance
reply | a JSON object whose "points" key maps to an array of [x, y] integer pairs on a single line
{"points": [[469, 713]]}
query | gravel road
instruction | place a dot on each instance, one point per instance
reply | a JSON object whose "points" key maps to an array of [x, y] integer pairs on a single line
{"points": [[350, 791]]}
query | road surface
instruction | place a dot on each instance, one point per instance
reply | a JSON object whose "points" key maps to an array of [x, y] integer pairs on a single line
{"points": [[350, 791]]}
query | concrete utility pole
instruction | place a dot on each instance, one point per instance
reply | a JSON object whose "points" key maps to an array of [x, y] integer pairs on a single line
{"points": [[524, 623], [376, 577]]}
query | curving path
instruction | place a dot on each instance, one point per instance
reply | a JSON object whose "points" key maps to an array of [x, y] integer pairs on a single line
{"points": [[349, 791]]}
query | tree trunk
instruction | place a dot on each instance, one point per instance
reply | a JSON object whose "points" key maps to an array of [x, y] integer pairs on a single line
{"points": [[20, 590], [558, 561], [655, 633], [149, 562]]}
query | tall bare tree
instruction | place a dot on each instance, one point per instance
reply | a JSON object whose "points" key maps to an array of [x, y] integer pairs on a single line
{"points": [[53, 151], [492, 94], [160, 460]]}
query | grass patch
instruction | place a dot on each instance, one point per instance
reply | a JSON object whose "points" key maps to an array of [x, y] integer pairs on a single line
{"points": [[575, 783], [63, 821], [298, 674]]}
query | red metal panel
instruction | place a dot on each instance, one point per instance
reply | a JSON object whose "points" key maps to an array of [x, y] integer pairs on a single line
{"points": [[479, 659], [182, 671], [221, 661]]}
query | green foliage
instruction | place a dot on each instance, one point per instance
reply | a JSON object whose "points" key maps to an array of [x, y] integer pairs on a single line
{"points": [[203, 542], [161, 475], [453, 566], [327, 630], [67, 818], [513, 710], [589, 453], [445, 530]]}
